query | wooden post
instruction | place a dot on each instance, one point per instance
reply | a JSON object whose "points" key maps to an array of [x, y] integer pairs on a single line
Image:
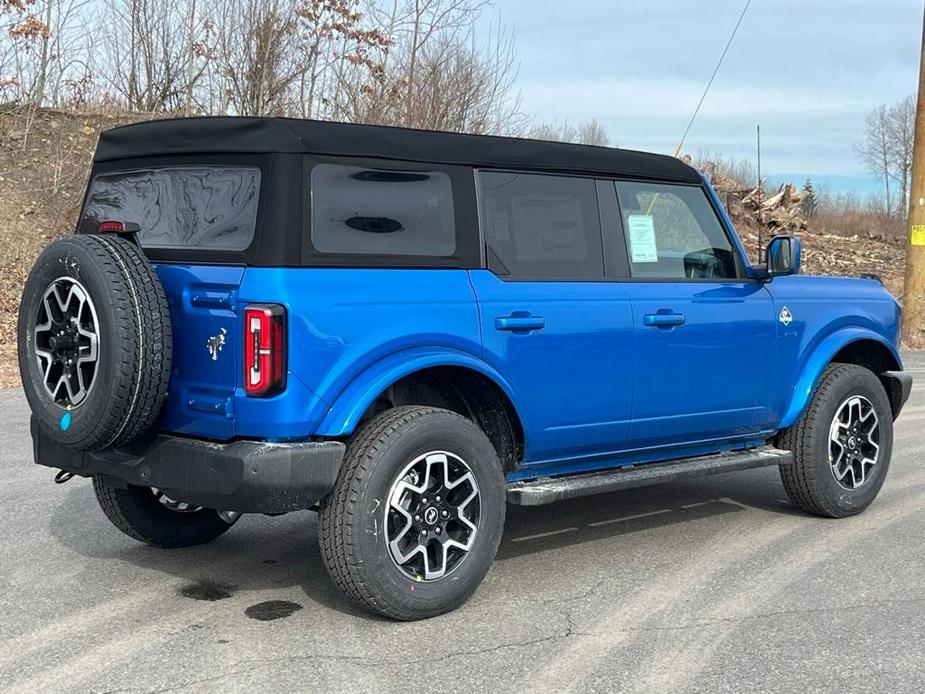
{"points": [[913, 331]]}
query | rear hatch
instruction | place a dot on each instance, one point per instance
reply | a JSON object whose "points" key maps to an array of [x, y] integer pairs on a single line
{"points": [[197, 225]]}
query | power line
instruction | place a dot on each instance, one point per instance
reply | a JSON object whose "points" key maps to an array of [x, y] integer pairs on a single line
{"points": [[712, 77]]}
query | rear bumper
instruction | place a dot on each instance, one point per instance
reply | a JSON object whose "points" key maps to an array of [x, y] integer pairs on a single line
{"points": [[245, 476]]}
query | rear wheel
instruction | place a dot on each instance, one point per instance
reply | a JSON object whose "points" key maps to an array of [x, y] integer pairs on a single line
{"points": [[841, 444], [416, 516], [150, 516]]}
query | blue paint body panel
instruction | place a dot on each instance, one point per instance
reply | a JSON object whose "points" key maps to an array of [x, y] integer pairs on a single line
{"points": [[601, 374], [828, 314], [713, 375], [587, 338]]}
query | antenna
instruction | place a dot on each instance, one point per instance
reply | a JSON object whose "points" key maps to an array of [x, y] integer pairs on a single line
{"points": [[760, 194]]}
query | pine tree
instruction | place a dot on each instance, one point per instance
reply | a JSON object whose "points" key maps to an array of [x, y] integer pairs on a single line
{"points": [[810, 202]]}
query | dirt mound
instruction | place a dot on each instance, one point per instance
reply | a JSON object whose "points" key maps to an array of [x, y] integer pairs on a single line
{"points": [[849, 254]]}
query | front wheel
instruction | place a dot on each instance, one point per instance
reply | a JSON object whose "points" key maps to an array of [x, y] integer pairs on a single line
{"points": [[841, 444], [415, 519]]}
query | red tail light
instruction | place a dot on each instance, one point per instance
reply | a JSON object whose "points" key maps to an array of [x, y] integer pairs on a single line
{"points": [[116, 227], [264, 349]]}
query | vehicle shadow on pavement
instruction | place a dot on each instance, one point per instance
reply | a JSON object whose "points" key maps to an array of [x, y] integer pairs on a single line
{"points": [[259, 555], [537, 529], [270, 556]]}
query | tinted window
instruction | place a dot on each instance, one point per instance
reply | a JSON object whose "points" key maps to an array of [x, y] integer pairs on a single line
{"points": [[540, 227], [202, 207], [673, 232], [382, 212]]}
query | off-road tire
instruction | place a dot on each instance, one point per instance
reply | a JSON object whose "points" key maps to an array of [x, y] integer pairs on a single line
{"points": [[134, 332], [137, 512], [352, 537], [809, 480]]}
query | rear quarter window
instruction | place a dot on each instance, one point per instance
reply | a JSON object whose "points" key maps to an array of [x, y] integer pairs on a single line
{"points": [[179, 207], [359, 210]]}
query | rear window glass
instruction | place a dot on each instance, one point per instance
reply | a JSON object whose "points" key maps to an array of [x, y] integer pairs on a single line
{"points": [[179, 207], [358, 210]]}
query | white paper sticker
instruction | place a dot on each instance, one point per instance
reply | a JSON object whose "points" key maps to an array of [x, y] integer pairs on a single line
{"points": [[642, 238]]}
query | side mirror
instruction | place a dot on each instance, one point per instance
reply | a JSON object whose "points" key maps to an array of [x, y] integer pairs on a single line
{"points": [[783, 256]]}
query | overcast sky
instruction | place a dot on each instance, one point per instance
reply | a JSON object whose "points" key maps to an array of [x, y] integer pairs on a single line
{"points": [[807, 70]]}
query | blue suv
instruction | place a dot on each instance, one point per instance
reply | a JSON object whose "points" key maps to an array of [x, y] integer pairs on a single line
{"points": [[407, 330]]}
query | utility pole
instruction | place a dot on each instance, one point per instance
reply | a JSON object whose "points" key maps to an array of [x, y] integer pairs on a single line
{"points": [[914, 289]]}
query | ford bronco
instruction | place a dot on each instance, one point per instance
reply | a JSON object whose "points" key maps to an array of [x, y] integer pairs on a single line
{"points": [[407, 330]]}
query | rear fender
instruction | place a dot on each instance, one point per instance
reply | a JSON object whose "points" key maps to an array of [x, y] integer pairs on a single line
{"points": [[819, 358], [352, 402]]}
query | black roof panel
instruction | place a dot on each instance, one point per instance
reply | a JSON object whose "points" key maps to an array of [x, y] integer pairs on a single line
{"points": [[261, 135]]}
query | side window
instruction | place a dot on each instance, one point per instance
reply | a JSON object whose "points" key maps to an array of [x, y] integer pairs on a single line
{"points": [[541, 227], [358, 210], [672, 232]]}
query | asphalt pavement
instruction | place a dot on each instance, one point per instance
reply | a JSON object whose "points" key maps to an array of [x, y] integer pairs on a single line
{"points": [[714, 585]]}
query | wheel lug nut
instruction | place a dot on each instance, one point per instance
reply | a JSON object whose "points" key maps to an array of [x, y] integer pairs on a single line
{"points": [[424, 501], [417, 519], [424, 531], [437, 530], [438, 499], [445, 514]]}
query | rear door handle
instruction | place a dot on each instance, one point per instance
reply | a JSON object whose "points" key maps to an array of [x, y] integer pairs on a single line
{"points": [[520, 322], [663, 320]]}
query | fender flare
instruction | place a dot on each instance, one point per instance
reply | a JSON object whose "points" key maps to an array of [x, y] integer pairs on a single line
{"points": [[819, 358], [352, 402]]}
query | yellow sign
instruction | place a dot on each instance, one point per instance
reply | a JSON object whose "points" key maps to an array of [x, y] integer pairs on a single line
{"points": [[918, 235]]}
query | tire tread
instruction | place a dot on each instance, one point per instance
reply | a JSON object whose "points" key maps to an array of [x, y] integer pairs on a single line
{"points": [[801, 479]]}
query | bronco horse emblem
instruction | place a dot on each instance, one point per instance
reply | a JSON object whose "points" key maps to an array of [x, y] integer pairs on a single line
{"points": [[215, 343]]}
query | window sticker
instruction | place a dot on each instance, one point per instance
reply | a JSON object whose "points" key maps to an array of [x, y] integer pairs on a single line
{"points": [[641, 230]]}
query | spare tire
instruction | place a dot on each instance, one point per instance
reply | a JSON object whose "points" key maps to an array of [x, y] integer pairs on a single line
{"points": [[94, 342]]}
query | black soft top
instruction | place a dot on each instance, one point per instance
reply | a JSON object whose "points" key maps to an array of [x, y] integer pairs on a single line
{"points": [[231, 134]]}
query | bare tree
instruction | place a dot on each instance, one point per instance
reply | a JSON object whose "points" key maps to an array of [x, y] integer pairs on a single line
{"points": [[440, 72], [154, 55], [590, 132], [875, 151], [900, 133], [256, 57], [887, 150]]}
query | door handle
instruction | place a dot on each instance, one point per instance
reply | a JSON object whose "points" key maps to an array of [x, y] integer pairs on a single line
{"points": [[663, 320], [520, 322]]}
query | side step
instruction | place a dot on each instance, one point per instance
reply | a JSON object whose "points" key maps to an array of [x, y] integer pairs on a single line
{"points": [[547, 490]]}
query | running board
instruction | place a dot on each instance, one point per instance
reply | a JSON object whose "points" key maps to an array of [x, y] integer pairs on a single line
{"points": [[547, 490]]}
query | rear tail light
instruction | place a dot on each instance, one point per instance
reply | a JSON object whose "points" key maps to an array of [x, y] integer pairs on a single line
{"points": [[264, 349], [113, 226]]}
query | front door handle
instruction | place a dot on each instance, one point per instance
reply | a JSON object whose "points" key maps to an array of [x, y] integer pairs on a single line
{"points": [[520, 322], [663, 320]]}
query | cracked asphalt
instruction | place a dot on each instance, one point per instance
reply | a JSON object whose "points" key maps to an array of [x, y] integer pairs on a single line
{"points": [[713, 585]]}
